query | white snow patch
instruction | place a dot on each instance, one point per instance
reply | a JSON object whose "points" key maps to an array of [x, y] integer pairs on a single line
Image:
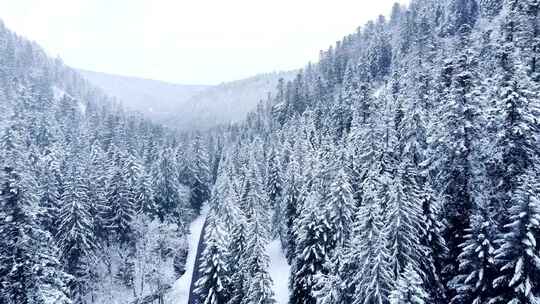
{"points": [[58, 93], [180, 289], [279, 271], [377, 93], [82, 108]]}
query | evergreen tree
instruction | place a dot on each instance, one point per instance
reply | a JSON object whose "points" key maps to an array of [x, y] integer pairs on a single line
{"points": [[409, 289], [256, 266], [311, 251], [75, 237], [213, 285], [372, 277], [331, 284], [121, 208], [200, 170], [404, 217], [274, 188], [341, 208], [291, 201], [144, 199], [461, 13], [49, 192], [237, 258], [477, 263], [517, 140], [166, 186], [434, 244], [517, 257], [458, 132]]}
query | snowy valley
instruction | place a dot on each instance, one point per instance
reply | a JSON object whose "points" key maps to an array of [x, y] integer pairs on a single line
{"points": [[403, 167]]}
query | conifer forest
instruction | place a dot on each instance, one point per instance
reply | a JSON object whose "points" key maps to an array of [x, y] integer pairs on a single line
{"points": [[403, 167]]}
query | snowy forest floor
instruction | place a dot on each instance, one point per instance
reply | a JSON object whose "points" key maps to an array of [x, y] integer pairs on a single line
{"points": [[279, 271]]}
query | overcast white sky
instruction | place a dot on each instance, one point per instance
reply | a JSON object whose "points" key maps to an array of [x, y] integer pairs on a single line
{"points": [[188, 41]]}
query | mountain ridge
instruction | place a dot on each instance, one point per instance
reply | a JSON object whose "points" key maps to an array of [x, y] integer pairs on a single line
{"points": [[188, 107]]}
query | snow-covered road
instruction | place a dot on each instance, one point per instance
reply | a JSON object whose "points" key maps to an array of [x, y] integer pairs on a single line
{"points": [[180, 290]]}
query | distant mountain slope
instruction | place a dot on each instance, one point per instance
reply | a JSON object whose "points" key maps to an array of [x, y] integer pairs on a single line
{"points": [[156, 99], [188, 106], [227, 102]]}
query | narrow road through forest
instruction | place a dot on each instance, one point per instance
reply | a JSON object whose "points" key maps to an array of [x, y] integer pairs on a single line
{"points": [[182, 288], [194, 298]]}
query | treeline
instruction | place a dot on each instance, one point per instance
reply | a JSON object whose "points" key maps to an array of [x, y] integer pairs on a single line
{"points": [[94, 201], [401, 168]]}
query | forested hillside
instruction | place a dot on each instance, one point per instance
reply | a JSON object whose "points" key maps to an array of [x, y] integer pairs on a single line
{"points": [[95, 201], [228, 102], [403, 167], [188, 108], [400, 168], [157, 100]]}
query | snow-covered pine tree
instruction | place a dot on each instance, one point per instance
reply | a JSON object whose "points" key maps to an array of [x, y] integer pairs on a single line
{"points": [[490, 8], [350, 96], [434, 243], [213, 286], [256, 264], [51, 283], [200, 171], [236, 259], [331, 285], [254, 200], [474, 284], [76, 237], [226, 200], [260, 289], [517, 147], [274, 188], [311, 251], [144, 199], [120, 198], [460, 13], [290, 202], [274, 184], [166, 186], [518, 258], [96, 175], [355, 164], [404, 220], [409, 288], [49, 192], [341, 116], [369, 271], [364, 142], [341, 208], [454, 140]]}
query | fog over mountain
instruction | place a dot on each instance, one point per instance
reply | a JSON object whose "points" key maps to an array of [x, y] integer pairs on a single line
{"points": [[156, 99], [227, 102], [185, 107]]}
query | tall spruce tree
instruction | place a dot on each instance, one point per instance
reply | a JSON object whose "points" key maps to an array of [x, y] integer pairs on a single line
{"points": [[213, 286], [311, 251], [200, 170]]}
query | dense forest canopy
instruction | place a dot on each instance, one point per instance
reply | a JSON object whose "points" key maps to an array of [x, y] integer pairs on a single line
{"points": [[95, 200], [403, 167], [400, 168]]}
